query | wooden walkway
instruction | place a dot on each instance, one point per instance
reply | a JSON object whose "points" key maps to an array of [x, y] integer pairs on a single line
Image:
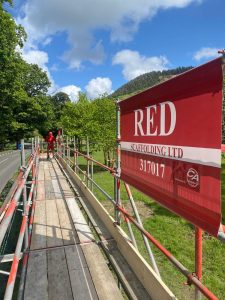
{"points": [[64, 260]]}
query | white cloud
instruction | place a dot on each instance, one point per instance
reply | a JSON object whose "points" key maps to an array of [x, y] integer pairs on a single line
{"points": [[34, 56], [205, 53], [135, 64], [54, 68], [72, 91], [79, 19], [47, 41], [98, 86]]}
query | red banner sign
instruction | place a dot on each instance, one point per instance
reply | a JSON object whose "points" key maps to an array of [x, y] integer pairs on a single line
{"points": [[171, 144]]}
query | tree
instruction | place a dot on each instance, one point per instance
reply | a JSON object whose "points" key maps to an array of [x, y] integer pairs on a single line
{"points": [[59, 100], [76, 117], [31, 108], [103, 124], [34, 80], [96, 119], [9, 1], [147, 80], [47, 121], [11, 36], [24, 104]]}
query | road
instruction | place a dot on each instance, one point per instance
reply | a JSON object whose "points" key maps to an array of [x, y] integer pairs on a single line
{"points": [[9, 164]]}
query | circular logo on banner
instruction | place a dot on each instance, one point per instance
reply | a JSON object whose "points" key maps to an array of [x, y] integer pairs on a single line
{"points": [[192, 178]]}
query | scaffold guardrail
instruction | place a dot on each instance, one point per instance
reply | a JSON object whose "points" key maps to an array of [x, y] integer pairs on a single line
{"points": [[26, 180], [64, 151]]}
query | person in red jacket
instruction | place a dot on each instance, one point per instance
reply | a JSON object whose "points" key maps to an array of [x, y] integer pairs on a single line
{"points": [[50, 139]]}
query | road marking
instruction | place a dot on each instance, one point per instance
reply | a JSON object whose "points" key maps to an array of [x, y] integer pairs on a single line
{"points": [[3, 160], [8, 153]]}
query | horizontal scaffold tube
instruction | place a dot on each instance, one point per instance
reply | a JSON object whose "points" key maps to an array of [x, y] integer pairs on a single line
{"points": [[11, 193], [111, 170], [9, 196]]}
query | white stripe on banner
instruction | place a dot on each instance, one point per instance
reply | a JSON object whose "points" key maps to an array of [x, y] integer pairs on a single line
{"points": [[202, 156]]}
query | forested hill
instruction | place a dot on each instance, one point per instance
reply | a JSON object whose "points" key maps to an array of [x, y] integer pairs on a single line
{"points": [[147, 80]]}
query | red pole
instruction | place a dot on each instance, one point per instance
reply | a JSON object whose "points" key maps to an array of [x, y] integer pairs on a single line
{"points": [[198, 259], [111, 170]]}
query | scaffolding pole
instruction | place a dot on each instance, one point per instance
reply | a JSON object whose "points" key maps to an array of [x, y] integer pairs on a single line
{"points": [[23, 166], [118, 162], [137, 216], [88, 155], [198, 259]]}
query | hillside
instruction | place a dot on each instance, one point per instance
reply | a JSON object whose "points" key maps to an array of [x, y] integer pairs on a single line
{"points": [[147, 80]]}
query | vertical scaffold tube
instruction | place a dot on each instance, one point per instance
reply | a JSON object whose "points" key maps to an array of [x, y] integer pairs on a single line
{"points": [[64, 148], [32, 195], [23, 166], [198, 260], [74, 154], [88, 154], [92, 175], [32, 145], [118, 168], [67, 150], [25, 258], [132, 237], [136, 213]]}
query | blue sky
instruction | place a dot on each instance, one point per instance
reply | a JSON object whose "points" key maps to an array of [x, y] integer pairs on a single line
{"points": [[95, 46]]}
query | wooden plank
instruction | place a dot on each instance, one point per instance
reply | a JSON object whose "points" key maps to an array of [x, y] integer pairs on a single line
{"points": [[38, 240], [133, 285], [49, 191], [102, 231], [41, 174], [53, 232], [52, 172], [105, 285], [82, 287], [81, 281], [83, 230], [57, 168], [69, 235], [47, 173], [59, 173], [75, 257], [56, 189], [65, 188], [36, 287], [58, 277], [45, 163], [40, 190], [67, 192]]}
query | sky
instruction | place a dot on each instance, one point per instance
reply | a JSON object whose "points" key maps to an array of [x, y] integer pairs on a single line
{"points": [[96, 46]]}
